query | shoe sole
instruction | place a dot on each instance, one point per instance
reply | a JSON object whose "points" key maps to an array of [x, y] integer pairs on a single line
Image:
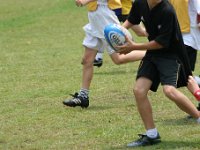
{"points": [[82, 106], [155, 142], [97, 64]]}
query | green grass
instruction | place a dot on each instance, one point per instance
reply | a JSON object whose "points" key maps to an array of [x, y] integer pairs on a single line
{"points": [[41, 50]]}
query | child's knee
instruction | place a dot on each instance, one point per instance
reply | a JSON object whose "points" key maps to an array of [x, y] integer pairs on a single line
{"points": [[86, 61], [168, 90]]}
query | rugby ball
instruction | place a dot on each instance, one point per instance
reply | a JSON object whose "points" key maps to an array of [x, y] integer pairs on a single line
{"points": [[115, 35]]}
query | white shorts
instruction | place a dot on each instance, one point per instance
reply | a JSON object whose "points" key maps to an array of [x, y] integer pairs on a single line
{"points": [[97, 44], [94, 30], [193, 38]]}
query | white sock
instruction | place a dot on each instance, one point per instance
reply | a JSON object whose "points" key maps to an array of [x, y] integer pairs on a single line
{"points": [[198, 120], [83, 92], [99, 56], [152, 133]]}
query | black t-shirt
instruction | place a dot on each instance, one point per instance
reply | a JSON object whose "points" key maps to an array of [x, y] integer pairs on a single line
{"points": [[160, 23], [162, 26]]}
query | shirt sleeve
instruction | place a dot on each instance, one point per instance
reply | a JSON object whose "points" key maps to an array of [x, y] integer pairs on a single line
{"points": [[134, 15], [165, 29]]}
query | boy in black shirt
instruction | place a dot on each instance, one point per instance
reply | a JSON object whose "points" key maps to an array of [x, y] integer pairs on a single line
{"points": [[165, 62]]}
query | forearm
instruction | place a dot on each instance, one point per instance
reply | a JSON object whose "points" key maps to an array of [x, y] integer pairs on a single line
{"points": [[83, 2], [127, 24], [131, 46], [139, 30], [152, 45], [87, 1]]}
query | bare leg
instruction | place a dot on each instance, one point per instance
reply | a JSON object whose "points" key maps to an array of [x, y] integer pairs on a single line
{"points": [[81, 98], [87, 62], [125, 58], [181, 101], [192, 85], [140, 90]]}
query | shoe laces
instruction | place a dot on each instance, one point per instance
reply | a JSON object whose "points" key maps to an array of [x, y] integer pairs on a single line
{"points": [[76, 98], [141, 136], [75, 95]]}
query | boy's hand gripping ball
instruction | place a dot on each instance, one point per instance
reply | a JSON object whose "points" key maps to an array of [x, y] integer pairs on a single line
{"points": [[115, 35]]}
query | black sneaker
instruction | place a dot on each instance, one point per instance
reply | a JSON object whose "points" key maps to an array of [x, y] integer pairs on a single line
{"points": [[144, 140], [77, 101], [98, 62]]}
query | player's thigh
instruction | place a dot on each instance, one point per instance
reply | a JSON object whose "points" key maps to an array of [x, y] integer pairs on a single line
{"points": [[91, 45], [148, 70]]}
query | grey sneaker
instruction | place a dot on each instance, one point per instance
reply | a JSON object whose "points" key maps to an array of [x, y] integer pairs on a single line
{"points": [[144, 140], [77, 101]]}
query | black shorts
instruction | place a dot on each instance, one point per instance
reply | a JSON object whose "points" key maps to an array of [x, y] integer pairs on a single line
{"points": [[159, 70], [192, 54]]}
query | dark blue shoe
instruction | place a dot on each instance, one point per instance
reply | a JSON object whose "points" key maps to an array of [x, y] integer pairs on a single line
{"points": [[144, 140]]}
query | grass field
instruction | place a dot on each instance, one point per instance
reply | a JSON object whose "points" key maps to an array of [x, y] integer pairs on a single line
{"points": [[40, 54]]}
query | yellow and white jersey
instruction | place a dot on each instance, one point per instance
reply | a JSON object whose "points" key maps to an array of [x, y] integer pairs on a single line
{"points": [[112, 4], [101, 17], [193, 38], [181, 8], [126, 6], [187, 11]]}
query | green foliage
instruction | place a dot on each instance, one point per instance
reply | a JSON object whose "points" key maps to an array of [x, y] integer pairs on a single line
{"points": [[41, 50]]}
